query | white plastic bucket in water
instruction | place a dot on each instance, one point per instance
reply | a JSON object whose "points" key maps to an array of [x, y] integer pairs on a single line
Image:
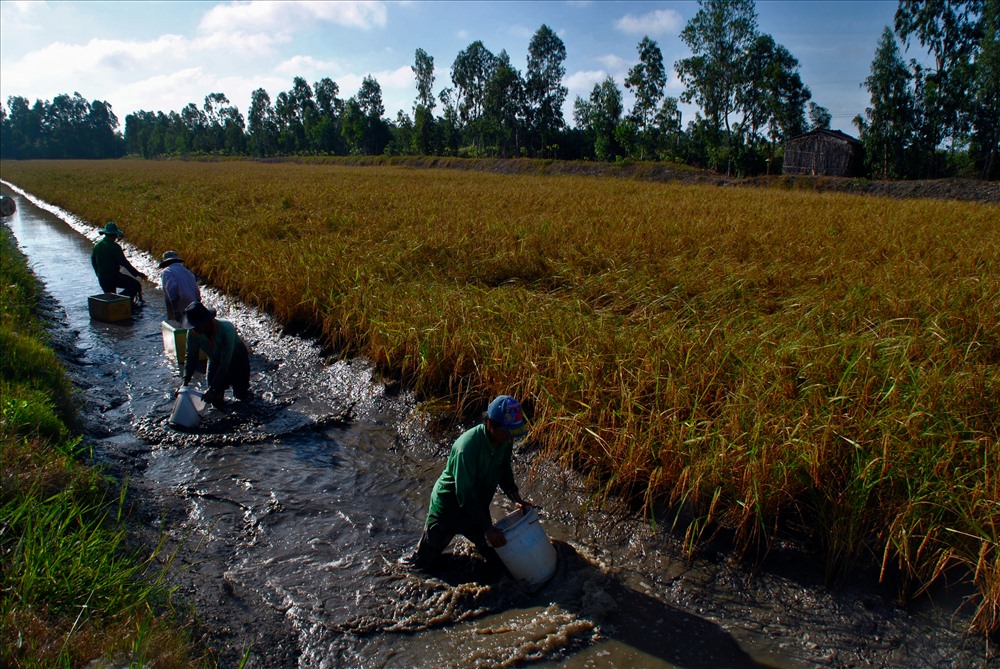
{"points": [[528, 553], [187, 408]]}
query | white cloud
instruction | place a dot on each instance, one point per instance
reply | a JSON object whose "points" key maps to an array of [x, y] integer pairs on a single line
{"points": [[523, 32], [659, 22], [674, 85], [388, 80], [24, 10], [62, 60], [260, 44], [613, 63], [290, 16], [161, 74], [307, 66], [585, 80]]}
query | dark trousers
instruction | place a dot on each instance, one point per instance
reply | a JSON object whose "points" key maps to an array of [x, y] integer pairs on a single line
{"points": [[239, 371], [130, 287], [440, 530]]}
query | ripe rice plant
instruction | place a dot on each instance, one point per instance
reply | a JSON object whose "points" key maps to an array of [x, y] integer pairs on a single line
{"points": [[762, 359]]}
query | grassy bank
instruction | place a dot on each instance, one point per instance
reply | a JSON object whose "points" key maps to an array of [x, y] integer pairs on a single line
{"points": [[760, 359], [70, 590]]}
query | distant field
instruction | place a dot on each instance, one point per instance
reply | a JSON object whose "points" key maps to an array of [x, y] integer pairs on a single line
{"points": [[761, 359]]}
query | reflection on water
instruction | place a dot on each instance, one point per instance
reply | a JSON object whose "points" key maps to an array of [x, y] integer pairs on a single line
{"points": [[288, 514]]}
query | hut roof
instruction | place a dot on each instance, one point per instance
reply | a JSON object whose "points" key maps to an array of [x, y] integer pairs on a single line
{"points": [[836, 134]]}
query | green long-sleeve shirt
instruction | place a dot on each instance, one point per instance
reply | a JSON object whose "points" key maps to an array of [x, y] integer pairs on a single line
{"points": [[219, 350], [475, 468], [107, 257]]}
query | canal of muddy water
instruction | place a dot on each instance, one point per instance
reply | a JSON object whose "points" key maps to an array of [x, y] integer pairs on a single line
{"points": [[284, 517]]}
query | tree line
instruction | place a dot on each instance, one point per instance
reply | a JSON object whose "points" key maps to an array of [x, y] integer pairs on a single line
{"points": [[923, 121], [953, 103]]}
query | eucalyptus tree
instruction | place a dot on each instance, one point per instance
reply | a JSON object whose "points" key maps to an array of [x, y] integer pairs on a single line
{"points": [[544, 92], [22, 129], [599, 117], [423, 70], [424, 132], [504, 108], [215, 129], [449, 126], [324, 133], [352, 127], [289, 128], [101, 132], [262, 126], [770, 86], [950, 30], [887, 126], [234, 138], [374, 135], [195, 126], [139, 127], [985, 103], [670, 131], [719, 35], [470, 73], [647, 80], [819, 117]]}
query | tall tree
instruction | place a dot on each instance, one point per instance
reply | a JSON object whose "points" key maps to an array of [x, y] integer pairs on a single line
{"points": [[599, 118], [719, 36], [887, 128], [950, 30], [647, 80], [544, 91], [819, 117], [504, 107], [23, 136], [324, 135], [375, 135], [423, 70], [262, 126], [213, 109], [985, 103], [470, 73], [102, 131]]}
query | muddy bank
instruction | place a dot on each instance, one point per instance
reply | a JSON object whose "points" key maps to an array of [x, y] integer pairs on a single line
{"points": [[283, 519]]}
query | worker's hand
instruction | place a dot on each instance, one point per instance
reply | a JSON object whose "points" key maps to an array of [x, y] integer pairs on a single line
{"points": [[495, 537], [524, 505]]}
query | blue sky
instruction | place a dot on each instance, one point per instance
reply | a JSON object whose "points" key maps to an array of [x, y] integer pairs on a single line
{"points": [[159, 56]]}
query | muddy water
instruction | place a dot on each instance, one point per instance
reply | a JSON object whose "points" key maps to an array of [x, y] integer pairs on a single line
{"points": [[283, 518]]}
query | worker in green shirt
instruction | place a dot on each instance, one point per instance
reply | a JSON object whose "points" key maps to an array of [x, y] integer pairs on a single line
{"points": [[480, 460], [108, 260], [228, 358]]}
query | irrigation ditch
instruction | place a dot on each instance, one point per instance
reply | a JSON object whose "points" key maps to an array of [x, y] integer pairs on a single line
{"points": [[282, 521]]}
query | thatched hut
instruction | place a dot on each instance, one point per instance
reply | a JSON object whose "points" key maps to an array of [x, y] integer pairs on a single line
{"points": [[823, 152]]}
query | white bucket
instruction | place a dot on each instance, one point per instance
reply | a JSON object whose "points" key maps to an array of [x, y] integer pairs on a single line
{"points": [[528, 553], [188, 408]]}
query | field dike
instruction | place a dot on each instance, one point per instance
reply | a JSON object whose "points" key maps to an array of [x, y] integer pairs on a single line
{"points": [[754, 362]]}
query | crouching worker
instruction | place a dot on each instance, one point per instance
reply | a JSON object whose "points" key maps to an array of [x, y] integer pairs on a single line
{"points": [[228, 359], [108, 260], [479, 461]]}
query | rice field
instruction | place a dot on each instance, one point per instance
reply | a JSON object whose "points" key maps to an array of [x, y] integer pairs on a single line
{"points": [[760, 361]]}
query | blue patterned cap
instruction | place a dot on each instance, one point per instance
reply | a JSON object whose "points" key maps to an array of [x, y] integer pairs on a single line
{"points": [[506, 411]]}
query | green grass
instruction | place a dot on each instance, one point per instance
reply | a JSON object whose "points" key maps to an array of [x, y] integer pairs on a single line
{"points": [[71, 590], [764, 360]]}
